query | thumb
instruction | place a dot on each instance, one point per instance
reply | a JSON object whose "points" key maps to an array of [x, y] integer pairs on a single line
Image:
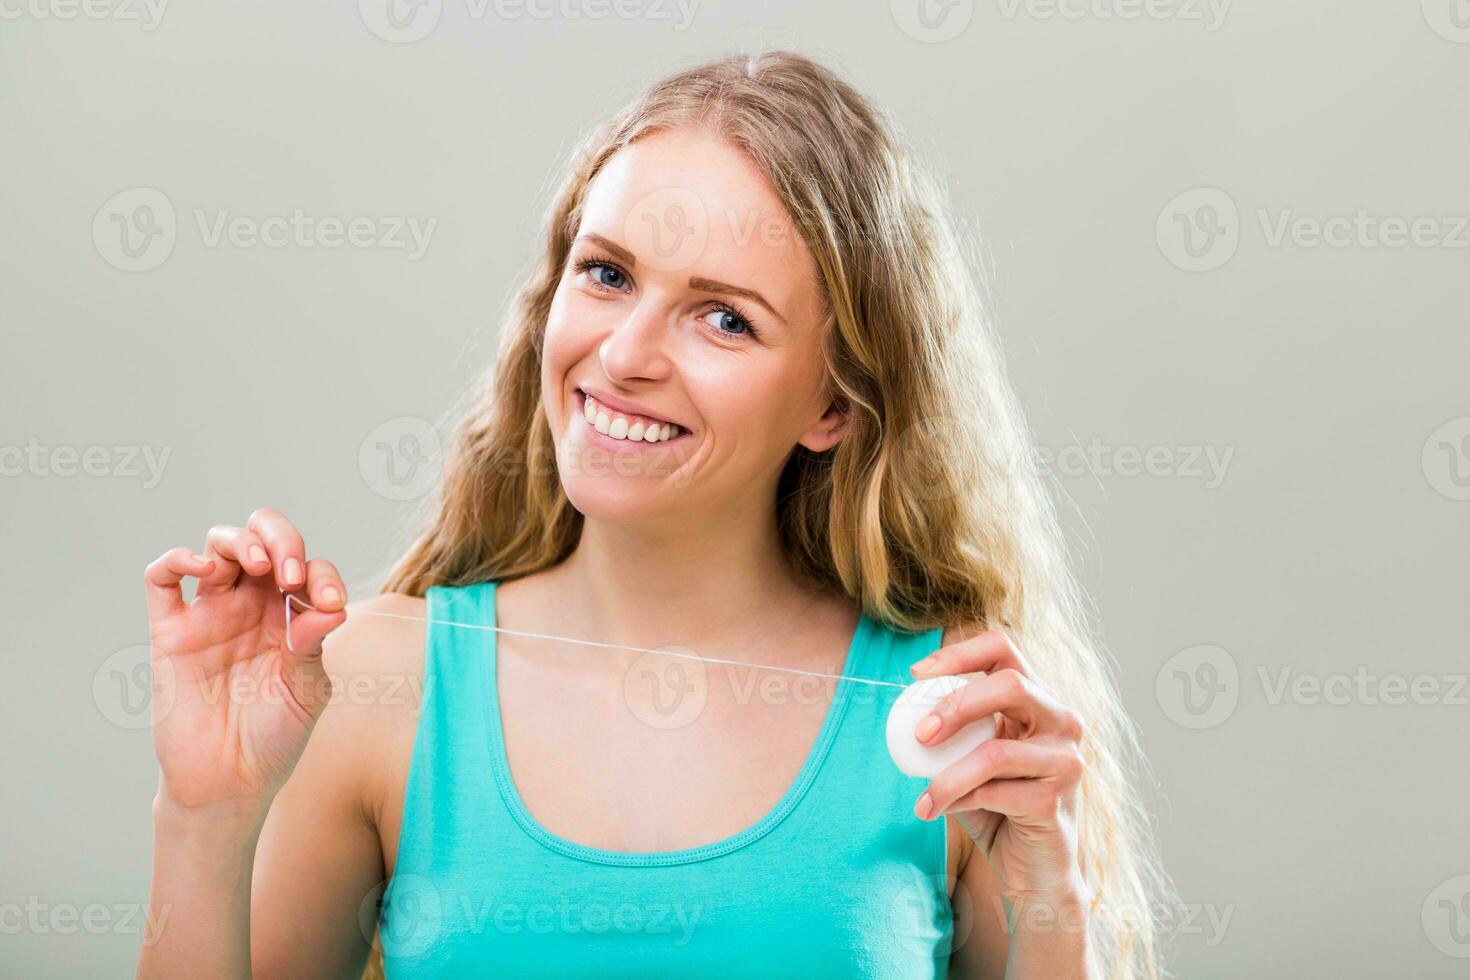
{"points": [[305, 630], [302, 666]]}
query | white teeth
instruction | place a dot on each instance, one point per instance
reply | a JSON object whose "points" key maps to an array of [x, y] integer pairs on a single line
{"points": [[618, 426]]}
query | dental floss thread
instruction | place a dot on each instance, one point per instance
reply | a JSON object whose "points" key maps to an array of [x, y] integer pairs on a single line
{"points": [[591, 643], [911, 756]]}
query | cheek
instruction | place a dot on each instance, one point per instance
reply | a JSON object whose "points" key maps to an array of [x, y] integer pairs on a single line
{"points": [[573, 324], [746, 403], [559, 349], [558, 355]]}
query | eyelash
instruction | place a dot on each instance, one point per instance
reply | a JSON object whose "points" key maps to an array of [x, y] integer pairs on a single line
{"points": [[750, 329]]}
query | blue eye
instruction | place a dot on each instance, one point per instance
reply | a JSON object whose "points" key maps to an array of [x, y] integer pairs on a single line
{"points": [[606, 271], [607, 275], [731, 321]]}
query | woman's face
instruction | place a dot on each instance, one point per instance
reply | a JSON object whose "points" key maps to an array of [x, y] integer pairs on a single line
{"points": [[687, 299]]}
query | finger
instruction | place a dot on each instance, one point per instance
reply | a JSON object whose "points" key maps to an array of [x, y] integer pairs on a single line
{"points": [[1018, 799], [163, 575], [1007, 692], [302, 667], [1004, 758], [284, 545], [989, 651], [307, 629], [237, 550], [324, 585]]}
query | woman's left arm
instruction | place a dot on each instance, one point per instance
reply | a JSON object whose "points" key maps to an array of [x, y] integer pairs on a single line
{"points": [[1017, 798]]}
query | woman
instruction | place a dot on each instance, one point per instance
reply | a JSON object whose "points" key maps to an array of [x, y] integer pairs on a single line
{"points": [[746, 405]]}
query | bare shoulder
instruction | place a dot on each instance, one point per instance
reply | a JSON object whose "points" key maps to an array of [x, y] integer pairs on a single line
{"points": [[376, 664], [381, 644]]}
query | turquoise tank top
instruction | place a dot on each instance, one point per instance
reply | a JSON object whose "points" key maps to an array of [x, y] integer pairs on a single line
{"points": [[838, 879]]}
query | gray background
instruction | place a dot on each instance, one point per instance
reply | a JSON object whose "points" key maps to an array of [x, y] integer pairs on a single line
{"points": [[1328, 838]]}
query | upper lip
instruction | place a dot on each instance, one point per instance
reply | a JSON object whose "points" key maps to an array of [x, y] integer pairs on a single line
{"points": [[625, 406]]}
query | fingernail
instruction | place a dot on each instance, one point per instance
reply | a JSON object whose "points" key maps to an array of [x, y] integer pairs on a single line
{"points": [[926, 664], [293, 571], [257, 553], [927, 727], [330, 594], [200, 559], [924, 807]]}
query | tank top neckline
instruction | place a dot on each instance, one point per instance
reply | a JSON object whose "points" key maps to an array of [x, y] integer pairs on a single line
{"points": [[816, 756]]}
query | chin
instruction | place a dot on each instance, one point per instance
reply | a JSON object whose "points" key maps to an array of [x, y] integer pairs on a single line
{"points": [[613, 499]]}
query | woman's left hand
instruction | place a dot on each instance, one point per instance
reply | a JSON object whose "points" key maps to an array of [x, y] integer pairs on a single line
{"points": [[1016, 795]]}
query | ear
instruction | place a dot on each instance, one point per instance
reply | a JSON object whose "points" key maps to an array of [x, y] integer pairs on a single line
{"points": [[827, 431]]}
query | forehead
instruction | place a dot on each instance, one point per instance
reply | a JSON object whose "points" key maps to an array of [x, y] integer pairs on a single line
{"points": [[687, 203]]}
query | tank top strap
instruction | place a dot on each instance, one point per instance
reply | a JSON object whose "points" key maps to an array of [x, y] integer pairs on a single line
{"points": [[907, 857], [454, 662], [448, 794]]}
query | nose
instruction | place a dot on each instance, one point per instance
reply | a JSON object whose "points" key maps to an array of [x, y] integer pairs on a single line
{"points": [[635, 349]]}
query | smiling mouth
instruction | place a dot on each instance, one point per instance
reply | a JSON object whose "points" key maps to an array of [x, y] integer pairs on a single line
{"points": [[610, 425]]}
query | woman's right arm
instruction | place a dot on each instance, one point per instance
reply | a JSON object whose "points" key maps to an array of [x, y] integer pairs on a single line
{"points": [[260, 797]]}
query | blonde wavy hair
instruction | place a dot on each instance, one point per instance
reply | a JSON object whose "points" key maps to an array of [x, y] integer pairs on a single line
{"points": [[929, 512]]}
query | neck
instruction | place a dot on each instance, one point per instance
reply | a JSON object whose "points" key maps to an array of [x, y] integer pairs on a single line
{"points": [[675, 582]]}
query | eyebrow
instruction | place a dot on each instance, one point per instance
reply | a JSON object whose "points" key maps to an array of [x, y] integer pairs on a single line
{"points": [[715, 286], [695, 282], [617, 250]]}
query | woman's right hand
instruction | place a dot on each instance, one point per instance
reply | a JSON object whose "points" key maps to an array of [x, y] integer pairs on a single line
{"points": [[242, 705]]}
